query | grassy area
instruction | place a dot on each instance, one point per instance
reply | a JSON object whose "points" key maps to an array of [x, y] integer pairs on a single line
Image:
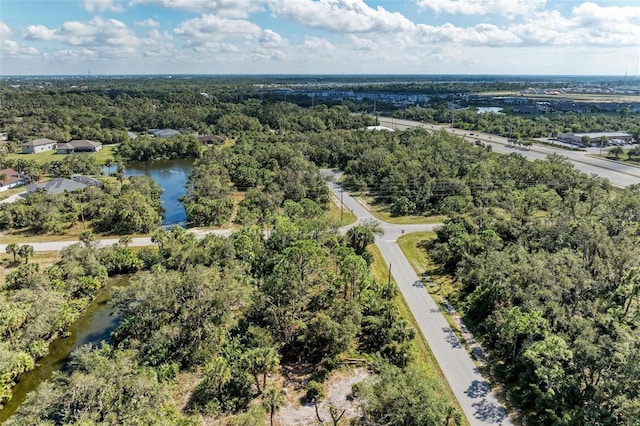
{"points": [[422, 356], [9, 192], [334, 215], [383, 213], [441, 287], [107, 152], [622, 159], [43, 259]]}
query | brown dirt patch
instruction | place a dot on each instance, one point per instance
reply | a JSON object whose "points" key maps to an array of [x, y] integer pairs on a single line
{"points": [[337, 393]]}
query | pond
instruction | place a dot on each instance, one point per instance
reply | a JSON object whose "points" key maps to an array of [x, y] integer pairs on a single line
{"points": [[172, 176], [94, 326]]}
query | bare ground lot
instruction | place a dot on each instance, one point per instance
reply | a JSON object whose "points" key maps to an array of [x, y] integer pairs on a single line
{"points": [[338, 394]]}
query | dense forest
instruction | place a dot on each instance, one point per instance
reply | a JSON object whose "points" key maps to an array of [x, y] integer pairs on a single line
{"points": [[545, 260], [239, 310]]}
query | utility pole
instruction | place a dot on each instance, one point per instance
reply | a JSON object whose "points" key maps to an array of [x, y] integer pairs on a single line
{"points": [[341, 206], [389, 283]]}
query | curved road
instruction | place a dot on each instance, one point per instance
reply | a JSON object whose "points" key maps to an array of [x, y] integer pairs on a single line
{"points": [[617, 173], [472, 391]]}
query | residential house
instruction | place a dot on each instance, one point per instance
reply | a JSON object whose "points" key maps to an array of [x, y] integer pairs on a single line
{"points": [[12, 179], [164, 133], [38, 145], [210, 139], [87, 180], [56, 186], [78, 146]]}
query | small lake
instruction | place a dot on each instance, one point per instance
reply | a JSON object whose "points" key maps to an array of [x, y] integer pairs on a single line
{"points": [[172, 176]]}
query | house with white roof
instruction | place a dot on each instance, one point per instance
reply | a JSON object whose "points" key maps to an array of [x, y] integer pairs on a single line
{"points": [[38, 145]]}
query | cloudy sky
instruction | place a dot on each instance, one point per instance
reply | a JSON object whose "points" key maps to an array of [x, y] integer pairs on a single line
{"points": [[320, 37]]}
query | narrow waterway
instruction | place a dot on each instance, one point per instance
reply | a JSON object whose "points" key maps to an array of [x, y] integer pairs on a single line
{"points": [[172, 176], [94, 326]]}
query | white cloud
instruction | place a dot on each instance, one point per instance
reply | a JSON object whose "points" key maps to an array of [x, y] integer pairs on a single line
{"points": [[272, 39], [39, 32], [108, 37], [208, 31], [480, 35], [148, 23], [588, 25], [361, 43], [11, 48], [482, 7], [222, 8], [102, 6], [76, 53], [5, 31], [341, 16], [318, 45]]}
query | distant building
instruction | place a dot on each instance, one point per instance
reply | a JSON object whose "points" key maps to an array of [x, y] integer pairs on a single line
{"points": [[383, 128], [12, 179], [576, 138], [57, 186], [164, 133], [78, 146], [38, 145], [208, 139]]}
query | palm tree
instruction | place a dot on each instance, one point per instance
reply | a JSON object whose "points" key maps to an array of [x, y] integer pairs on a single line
{"points": [[108, 163], [3, 178], [616, 151], [87, 238], [219, 373], [125, 240], [261, 360], [13, 249], [25, 251], [272, 401], [159, 237]]}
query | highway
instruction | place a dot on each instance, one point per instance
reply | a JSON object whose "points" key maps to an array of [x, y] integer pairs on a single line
{"points": [[472, 391], [618, 174]]}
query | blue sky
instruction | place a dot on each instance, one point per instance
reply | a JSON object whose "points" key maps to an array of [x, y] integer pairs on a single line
{"points": [[600, 37]]}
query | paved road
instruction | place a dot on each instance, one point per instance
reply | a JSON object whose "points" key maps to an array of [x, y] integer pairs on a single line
{"points": [[472, 391], [105, 242], [618, 174], [14, 198]]}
